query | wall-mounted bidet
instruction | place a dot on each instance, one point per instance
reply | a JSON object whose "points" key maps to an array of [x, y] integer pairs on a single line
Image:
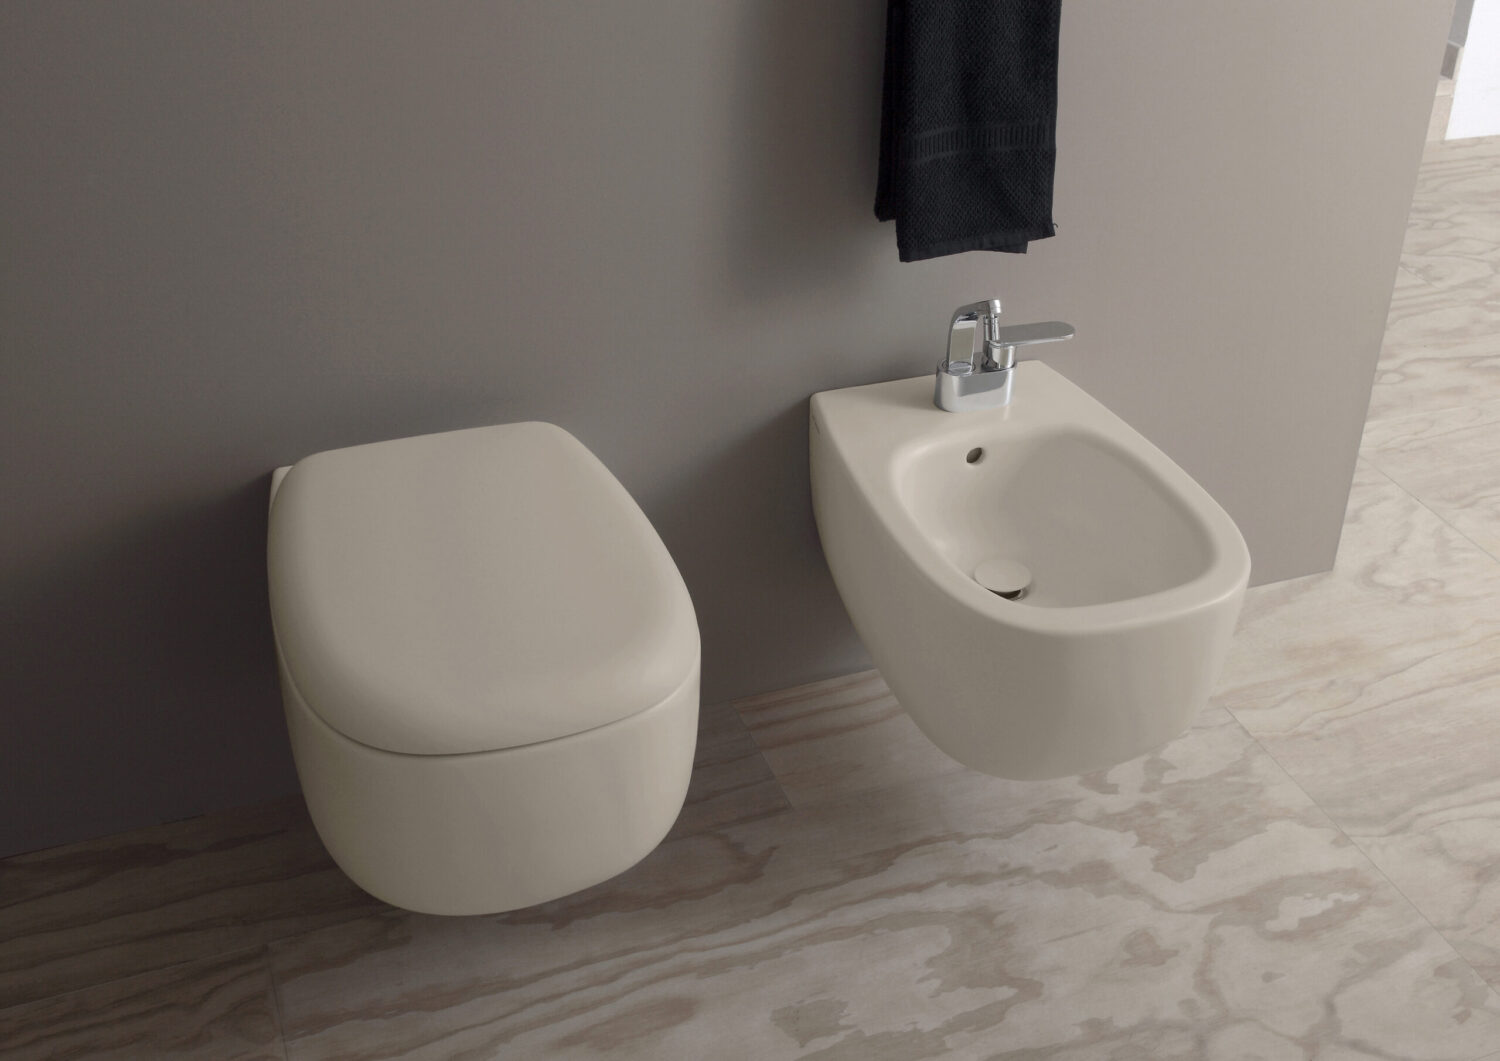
{"points": [[1045, 591], [489, 665]]}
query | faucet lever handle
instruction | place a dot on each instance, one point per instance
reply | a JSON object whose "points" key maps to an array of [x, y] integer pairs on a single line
{"points": [[1027, 334], [1000, 343]]}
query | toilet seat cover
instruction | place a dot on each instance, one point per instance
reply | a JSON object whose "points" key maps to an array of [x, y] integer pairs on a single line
{"points": [[471, 591]]}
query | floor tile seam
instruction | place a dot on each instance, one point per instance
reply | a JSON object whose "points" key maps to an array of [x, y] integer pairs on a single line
{"points": [[1398, 416], [616, 987], [761, 751], [1313, 726], [1464, 268], [713, 828], [1435, 198], [803, 804], [1449, 235], [1422, 295], [1413, 276], [1440, 210], [1447, 940], [1399, 346], [803, 731], [1444, 297], [1411, 304], [1451, 288], [277, 1008], [239, 952], [821, 799], [1365, 855], [1396, 420], [720, 791], [1459, 149], [749, 731], [1415, 819], [1483, 550], [802, 717]]}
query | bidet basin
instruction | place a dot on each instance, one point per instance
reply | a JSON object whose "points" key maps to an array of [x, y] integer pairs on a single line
{"points": [[1092, 524], [1122, 577]]}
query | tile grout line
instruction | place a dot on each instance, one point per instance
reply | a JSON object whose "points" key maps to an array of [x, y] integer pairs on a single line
{"points": [[276, 1008], [1380, 874], [810, 802], [1372, 458], [761, 751], [1402, 267], [1388, 477], [1363, 853], [1494, 988], [1400, 418]]}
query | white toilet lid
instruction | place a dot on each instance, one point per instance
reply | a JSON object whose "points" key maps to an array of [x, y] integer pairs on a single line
{"points": [[471, 591]]}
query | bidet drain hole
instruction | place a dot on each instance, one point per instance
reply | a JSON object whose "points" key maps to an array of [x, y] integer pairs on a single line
{"points": [[975, 455], [1005, 578]]}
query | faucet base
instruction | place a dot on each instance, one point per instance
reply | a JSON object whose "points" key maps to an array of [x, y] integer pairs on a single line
{"points": [[959, 391]]}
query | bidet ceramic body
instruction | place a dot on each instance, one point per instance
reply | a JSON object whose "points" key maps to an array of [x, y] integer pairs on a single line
{"points": [[1136, 573]]}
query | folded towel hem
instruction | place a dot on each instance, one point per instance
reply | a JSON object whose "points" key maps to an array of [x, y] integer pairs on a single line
{"points": [[1012, 241]]}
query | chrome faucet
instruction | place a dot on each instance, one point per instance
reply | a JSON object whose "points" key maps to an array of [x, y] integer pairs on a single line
{"points": [[980, 378]]}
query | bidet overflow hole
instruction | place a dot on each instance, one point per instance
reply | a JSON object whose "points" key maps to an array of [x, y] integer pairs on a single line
{"points": [[975, 455]]}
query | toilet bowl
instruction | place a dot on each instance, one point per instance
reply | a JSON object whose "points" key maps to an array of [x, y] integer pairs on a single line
{"points": [[489, 665], [1045, 592]]}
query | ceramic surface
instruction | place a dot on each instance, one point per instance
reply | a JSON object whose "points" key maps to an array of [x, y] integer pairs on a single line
{"points": [[489, 666], [1307, 874], [1136, 574]]}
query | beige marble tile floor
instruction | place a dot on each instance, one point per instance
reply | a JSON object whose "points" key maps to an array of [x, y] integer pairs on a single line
{"points": [[1311, 872]]}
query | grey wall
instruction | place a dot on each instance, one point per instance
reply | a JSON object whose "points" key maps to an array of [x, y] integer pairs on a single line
{"points": [[233, 234]]}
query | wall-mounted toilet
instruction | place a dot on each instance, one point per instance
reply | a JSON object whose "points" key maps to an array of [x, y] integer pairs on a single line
{"points": [[489, 665]]}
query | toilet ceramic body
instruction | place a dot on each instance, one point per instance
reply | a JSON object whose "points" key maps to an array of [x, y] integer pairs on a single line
{"points": [[489, 666]]}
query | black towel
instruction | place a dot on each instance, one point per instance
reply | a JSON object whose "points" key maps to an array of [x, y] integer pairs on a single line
{"points": [[967, 124]]}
